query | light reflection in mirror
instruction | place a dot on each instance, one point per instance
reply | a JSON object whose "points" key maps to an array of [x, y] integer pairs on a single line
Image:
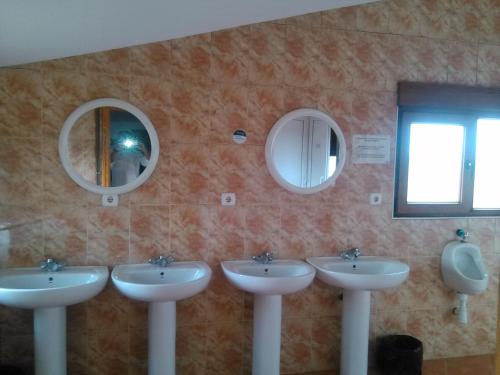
{"points": [[109, 147]]}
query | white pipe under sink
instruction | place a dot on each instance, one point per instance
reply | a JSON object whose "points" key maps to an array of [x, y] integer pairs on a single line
{"points": [[461, 310]]}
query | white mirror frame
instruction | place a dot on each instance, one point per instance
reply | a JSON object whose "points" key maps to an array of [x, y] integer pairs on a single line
{"points": [[64, 149], [271, 139]]}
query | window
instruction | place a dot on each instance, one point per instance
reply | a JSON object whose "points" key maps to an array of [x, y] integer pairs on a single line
{"points": [[448, 151]]}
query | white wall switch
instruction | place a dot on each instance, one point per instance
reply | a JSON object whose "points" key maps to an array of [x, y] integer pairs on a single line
{"points": [[228, 199]]}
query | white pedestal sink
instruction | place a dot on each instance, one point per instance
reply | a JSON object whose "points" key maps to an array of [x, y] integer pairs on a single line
{"points": [[48, 293], [161, 287], [358, 277], [268, 282]]}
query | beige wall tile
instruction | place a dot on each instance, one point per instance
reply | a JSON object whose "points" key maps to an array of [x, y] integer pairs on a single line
{"points": [[197, 91]]}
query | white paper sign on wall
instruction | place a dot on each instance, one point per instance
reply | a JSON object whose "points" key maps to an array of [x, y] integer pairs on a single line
{"points": [[371, 149]]}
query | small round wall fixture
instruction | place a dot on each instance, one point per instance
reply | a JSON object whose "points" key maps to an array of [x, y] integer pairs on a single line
{"points": [[239, 136], [305, 151], [108, 146]]}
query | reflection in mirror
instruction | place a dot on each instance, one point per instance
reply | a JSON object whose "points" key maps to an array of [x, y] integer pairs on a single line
{"points": [[109, 147], [305, 152]]}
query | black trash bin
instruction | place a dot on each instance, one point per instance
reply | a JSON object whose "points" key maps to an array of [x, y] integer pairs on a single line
{"points": [[10, 370], [400, 355]]}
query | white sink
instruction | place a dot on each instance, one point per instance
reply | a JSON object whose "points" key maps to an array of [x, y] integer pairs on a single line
{"points": [[364, 273], [31, 288], [161, 287], [48, 293], [278, 277], [268, 282], [357, 278], [144, 282]]}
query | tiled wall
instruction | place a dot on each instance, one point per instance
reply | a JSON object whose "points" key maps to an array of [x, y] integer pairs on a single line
{"points": [[196, 91]]}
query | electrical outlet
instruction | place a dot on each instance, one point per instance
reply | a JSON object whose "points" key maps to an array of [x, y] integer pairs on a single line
{"points": [[375, 199], [228, 199], [110, 200]]}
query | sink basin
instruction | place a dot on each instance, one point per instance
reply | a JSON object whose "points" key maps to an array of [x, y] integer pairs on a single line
{"points": [[32, 288], [48, 293], [279, 277], [268, 282], [145, 282], [363, 273], [358, 278], [161, 287]]}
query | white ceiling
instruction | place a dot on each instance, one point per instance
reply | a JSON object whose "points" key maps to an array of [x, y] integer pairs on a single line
{"points": [[36, 30]]}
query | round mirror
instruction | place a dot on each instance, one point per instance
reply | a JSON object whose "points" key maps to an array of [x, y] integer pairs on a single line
{"points": [[305, 151], [108, 146]]}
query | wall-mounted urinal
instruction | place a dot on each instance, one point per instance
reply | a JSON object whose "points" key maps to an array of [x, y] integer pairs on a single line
{"points": [[464, 271]]}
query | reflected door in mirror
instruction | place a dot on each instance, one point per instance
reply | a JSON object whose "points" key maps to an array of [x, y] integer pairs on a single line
{"points": [[109, 147], [305, 152]]}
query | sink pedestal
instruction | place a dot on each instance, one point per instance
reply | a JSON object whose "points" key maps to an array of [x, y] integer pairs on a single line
{"points": [[161, 287], [357, 277], [50, 340], [161, 338], [355, 332], [266, 335], [268, 282], [48, 294]]}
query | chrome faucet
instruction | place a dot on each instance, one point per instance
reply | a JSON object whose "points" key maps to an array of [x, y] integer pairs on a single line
{"points": [[162, 261], [350, 254], [265, 258], [51, 265]]}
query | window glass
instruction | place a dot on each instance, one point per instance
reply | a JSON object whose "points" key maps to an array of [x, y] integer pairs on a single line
{"points": [[436, 157], [448, 151], [332, 165], [487, 170]]}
